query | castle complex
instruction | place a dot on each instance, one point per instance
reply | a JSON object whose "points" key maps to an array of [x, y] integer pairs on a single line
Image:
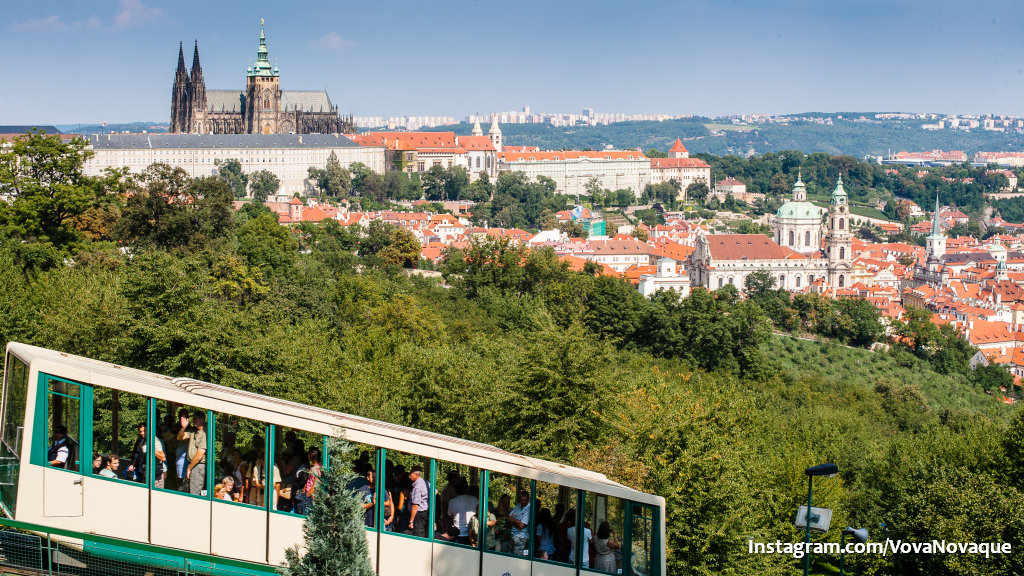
{"points": [[262, 108]]}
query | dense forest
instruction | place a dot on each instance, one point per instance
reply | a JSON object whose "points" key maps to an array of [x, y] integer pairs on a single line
{"points": [[846, 136], [696, 399]]}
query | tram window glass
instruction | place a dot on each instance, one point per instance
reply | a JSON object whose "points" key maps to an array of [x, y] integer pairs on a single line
{"points": [[641, 537], [183, 432], [457, 504], [240, 456], [298, 461], [511, 531], [63, 417], [119, 441], [604, 515], [550, 525], [15, 401], [408, 479], [361, 459]]}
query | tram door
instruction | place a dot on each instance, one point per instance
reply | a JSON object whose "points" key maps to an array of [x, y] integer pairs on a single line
{"points": [[62, 477]]}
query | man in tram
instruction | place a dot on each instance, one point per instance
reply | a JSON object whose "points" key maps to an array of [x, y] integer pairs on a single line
{"points": [[519, 519], [196, 453], [418, 498], [60, 449]]}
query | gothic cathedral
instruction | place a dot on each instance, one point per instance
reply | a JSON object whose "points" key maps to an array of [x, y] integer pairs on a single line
{"points": [[262, 108]]}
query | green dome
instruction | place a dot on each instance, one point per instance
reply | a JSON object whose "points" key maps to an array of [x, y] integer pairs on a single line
{"points": [[799, 210]]}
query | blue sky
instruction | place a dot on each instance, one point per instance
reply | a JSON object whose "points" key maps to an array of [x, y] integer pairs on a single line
{"points": [[113, 60]]}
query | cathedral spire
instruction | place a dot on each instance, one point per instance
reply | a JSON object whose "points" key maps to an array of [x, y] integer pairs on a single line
{"points": [[936, 229], [197, 70], [181, 72], [262, 67]]}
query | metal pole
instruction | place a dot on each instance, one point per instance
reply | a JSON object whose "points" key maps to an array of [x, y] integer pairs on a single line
{"points": [[807, 539], [842, 550]]}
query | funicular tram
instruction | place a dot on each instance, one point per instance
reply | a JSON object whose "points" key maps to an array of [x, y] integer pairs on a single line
{"points": [[185, 518]]}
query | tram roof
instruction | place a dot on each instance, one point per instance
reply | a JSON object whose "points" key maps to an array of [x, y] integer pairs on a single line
{"points": [[285, 412]]}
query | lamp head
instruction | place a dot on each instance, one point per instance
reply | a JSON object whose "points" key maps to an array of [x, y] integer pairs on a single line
{"points": [[859, 534], [828, 470]]}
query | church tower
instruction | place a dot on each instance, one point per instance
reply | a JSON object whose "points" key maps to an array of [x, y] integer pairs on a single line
{"points": [[197, 107], [477, 131], [838, 239], [262, 93], [935, 243], [495, 134], [181, 96]]}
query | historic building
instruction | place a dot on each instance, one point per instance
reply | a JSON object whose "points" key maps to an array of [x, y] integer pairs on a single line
{"points": [[681, 168], [794, 258], [262, 108], [934, 272]]}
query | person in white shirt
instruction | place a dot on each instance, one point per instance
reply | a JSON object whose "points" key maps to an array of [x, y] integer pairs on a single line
{"points": [[461, 509], [571, 535]]}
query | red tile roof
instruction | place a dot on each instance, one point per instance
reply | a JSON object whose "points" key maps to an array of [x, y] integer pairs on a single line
{"points": [[506, 156], [746, 246], [678, 163], [678, 146]]}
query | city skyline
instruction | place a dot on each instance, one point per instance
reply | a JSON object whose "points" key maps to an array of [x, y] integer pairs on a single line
{"points": [[114, 61]]}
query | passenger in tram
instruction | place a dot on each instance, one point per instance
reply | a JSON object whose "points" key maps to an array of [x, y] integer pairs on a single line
{"points": [[307, 479], [563, 547], [181, 446], [604, 548], [139, 459], [389, 512], [503, 530], [367, 494], [519, 519], [462, 510], [99, 464], [492, 522], [235, 465], [111, 463], [419, 502], [445, 496], [544, 547], [572, 533], [195, 472], [218, 492], [60, 449], [255, 479], [284, 484], [227, 489]]}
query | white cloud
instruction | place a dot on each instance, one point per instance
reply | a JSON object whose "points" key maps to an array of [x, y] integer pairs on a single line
{"points": [[55, 23], [331, 42], [134, 13]]}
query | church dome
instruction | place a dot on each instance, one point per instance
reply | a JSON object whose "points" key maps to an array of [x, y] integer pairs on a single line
{"points": [[799, 211]]}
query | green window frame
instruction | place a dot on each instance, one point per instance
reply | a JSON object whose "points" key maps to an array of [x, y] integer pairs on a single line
{"points": [[41, 431]]}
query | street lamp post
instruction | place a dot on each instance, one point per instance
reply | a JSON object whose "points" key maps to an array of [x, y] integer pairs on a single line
{"points": [[827, 470], [860, 535]]}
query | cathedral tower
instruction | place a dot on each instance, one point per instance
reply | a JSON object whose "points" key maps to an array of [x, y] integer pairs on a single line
{"points": [[495, 134], [181, 95], [262, 93], [935, 243], [839, 239], [197, 108]]}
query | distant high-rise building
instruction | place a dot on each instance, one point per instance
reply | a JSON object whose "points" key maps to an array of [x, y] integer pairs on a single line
{"points": [[262, 108]]}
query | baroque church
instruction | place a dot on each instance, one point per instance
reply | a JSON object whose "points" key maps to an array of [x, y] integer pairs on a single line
{"points": [[794, 257], [262, 108]]}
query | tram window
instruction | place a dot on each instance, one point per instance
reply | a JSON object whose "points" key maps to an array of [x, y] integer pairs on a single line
{"points": [[183, 432], [642, 540], [119, 442], [551, 528], [457, 510], [410, 483], [15, 402], [240, 454], [298, 461], [604, 515], [63, 418], [508, 499], [361, 460]]}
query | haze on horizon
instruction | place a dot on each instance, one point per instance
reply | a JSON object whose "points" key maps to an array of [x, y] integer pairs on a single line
{"points": [[114, 60]]}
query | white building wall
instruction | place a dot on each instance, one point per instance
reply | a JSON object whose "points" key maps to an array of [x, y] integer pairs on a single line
{"points": [[290, 165], [571, 175]]}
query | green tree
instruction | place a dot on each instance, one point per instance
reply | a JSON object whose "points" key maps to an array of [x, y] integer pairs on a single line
{"points": [[333, 533], [263, 184], [403, 250], [230, 172], [44, 175], [697, 191]]}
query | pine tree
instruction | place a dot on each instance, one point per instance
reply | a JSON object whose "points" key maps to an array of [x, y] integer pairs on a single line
{"points": [[335, 539]]}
